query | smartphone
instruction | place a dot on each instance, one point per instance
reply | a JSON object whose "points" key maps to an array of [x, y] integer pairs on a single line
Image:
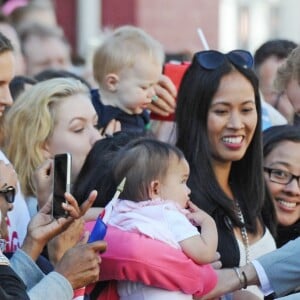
{"points": [[175, 72], [61, 183]]}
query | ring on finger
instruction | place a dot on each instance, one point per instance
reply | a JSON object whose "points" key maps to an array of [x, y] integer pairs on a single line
{"points": [[154, 98]]}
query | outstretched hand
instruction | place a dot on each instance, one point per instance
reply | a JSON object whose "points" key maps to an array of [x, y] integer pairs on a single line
{"points": [[43, 227], [43, 182]]}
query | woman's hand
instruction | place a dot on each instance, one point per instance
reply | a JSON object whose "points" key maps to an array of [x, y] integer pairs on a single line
{"points": [[43, 182], [166, 92], [217, 264]]}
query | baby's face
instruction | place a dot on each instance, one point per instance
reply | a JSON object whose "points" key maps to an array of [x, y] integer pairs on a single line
{"points": [[136, 84], [174, 186]]}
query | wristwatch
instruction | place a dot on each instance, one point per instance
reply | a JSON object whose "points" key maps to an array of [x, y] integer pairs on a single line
{"points": [[4, 260]]}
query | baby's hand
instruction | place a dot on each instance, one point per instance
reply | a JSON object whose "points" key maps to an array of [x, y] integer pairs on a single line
{"points": [[197, 216]]}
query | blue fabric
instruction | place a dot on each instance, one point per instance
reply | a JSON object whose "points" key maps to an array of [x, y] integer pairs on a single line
{"points": [[282, 268], [42, 262], [52, 286], [266, 120]]}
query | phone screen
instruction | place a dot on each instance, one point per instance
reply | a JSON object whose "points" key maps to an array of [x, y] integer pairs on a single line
{"points": [[61, 184]]}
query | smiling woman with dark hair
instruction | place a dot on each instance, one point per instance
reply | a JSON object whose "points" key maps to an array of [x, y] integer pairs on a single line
{"points": [[218, 119], [282, 173]]}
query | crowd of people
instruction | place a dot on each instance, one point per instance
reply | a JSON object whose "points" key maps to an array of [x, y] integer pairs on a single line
{"points": [[205, 205]]}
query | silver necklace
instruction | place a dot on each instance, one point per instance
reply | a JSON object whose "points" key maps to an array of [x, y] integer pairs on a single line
{"points": [[243, 230]]}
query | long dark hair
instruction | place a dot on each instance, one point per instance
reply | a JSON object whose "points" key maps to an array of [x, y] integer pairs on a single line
{"points": [[195, 95]]}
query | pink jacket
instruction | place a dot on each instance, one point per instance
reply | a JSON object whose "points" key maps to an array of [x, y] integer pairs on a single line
{"points": [[135, 257]]}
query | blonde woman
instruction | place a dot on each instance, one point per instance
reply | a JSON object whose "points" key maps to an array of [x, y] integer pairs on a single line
{"points": [[52, 117]]}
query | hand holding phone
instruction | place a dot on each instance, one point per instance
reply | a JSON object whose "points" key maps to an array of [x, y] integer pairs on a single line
{"points": [[61, 183], [175, 72]]}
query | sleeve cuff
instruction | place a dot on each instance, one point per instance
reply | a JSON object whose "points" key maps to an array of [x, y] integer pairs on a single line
{"points": [[265, 284]]}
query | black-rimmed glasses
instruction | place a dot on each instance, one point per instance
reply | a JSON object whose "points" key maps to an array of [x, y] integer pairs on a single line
{"points": [[280, 176], [212, 59], [8, 193]]}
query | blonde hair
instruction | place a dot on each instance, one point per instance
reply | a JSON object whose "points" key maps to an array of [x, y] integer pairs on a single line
{"points": [[289, 70], [30, 122], [120, 49]]}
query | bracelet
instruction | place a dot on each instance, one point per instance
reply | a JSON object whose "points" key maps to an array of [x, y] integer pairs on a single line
{"points": [[242, 277]]}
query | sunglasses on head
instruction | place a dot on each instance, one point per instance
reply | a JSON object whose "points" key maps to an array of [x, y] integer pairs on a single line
{"points": [[8, 193], [212, 59]]}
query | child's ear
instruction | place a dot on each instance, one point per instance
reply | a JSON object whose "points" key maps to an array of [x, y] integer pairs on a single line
{"points": [[111, 81], [154, 189]]}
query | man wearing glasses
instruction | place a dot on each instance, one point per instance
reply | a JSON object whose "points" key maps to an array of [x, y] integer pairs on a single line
{"points": [[8, 182], [14, 285]]}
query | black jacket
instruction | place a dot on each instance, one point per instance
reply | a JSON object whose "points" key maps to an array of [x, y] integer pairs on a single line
{"points": [[227, 243], [11, 286], [130, 123], [287, 233]]}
